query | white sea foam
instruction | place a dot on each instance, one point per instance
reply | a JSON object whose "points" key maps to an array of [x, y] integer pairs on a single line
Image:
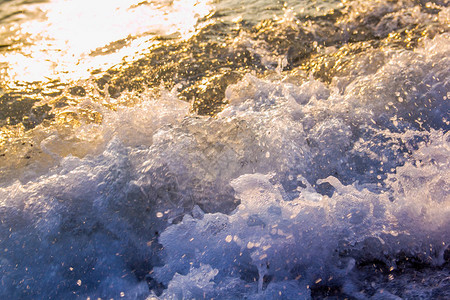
{"points": [[289, 187]]}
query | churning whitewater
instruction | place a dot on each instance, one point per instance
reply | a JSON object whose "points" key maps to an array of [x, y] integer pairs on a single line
{"points": [[270, 150]]}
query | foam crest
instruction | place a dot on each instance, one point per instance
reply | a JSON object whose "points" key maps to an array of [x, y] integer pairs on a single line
{"points": [[292, 245], [292, 187]]}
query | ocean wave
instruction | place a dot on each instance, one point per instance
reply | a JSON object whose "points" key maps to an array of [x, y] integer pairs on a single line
{"points": [[323, 176]]}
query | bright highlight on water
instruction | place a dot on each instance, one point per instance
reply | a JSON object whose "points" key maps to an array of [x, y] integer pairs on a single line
{"points": [[224, 150]]}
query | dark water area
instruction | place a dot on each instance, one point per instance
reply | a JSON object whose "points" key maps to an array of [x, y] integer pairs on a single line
{"points": [[224, 150]]}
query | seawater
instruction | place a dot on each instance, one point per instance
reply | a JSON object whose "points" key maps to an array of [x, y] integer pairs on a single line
{"points": [[226, 150]]}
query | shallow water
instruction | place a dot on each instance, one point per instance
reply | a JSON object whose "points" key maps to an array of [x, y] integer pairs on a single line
{"points": [[215, 149]]}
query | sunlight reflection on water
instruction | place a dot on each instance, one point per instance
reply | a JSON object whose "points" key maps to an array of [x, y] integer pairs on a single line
{"points": [[77, 37]]}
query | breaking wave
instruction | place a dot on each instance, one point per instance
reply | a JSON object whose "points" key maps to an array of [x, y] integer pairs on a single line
{"points": [[307, 183]]}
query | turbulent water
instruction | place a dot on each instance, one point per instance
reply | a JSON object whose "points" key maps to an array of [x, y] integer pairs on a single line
{"points": [[224, 149]]}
